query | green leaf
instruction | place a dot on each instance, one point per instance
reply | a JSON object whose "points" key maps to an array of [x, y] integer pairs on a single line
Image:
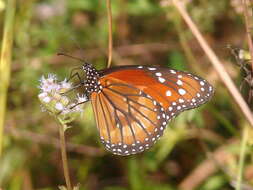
{"points": [[214, 183], [176, 60]]}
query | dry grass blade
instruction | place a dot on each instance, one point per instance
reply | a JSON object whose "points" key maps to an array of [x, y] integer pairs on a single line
{"points": [[110, 42], [47, 140], [216, 62], [247, 25]]}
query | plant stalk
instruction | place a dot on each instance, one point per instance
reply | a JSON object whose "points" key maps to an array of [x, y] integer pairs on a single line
{"points": [[62, 128], [5, 62], [110, 42], [242, 157], [248, 29]]}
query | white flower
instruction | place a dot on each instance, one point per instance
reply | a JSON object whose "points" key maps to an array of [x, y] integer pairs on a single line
{"points": [[49, 84], [81, 98], [73, 108], [42, 95], [59, 106], [65, 84], [47, 99], [54, 99]]}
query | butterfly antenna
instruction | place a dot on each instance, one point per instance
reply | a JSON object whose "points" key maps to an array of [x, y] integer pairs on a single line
{"points": [[76, 43], [70, 56]]}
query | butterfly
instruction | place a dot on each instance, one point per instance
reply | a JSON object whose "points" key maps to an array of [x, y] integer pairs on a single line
{"points": [[133, 104]]}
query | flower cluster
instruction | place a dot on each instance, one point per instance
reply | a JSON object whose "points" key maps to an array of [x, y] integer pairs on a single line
{"points": [[54, 99]]}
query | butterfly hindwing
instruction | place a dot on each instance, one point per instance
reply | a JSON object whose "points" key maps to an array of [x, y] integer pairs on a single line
{"points": [[129, 121]]}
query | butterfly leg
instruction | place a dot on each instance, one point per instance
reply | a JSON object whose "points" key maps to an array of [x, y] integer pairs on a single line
{"points": [[77, 104], [73, 88], [72, 74], [242, 84]]}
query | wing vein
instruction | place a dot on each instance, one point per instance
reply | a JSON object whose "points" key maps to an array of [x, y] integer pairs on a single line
{"points": [[136, 120], [116, 116], [115, 91], [106, 122], [124, 113]]}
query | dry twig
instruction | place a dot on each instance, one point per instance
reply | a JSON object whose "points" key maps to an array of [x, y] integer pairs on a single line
{"points": [[44, 139], [109, 15], [216, 62], [247, 25]]}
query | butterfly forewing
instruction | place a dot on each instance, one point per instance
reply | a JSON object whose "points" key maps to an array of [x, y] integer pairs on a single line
{"points": [[182, 90], [136, 102]]}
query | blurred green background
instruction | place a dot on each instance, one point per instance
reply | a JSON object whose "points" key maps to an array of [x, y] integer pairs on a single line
{"points": [[200, 148]]}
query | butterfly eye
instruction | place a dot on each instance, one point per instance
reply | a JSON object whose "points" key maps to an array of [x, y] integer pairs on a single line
{"points": [[133, 104]]}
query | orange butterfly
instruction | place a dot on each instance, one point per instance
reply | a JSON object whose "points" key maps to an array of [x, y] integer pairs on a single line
{"points": [[133, 104]]}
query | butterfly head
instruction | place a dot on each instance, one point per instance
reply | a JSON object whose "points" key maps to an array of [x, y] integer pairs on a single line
{"points": [[86, 66], [91, 83]]}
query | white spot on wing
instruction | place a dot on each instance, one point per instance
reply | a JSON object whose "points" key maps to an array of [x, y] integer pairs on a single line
{"points": [[162, 80], [168, 93], [179, 82], [181, 100], [172, 71], [181, 91], [158, 74]]}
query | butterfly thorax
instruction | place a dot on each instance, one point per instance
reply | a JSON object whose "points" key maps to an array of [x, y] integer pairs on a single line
{"points": [[91, 84]]}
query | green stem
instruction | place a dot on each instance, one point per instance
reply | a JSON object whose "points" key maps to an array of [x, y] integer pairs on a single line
{"points": [[5, 62], [242, 157], [62, 129]]}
